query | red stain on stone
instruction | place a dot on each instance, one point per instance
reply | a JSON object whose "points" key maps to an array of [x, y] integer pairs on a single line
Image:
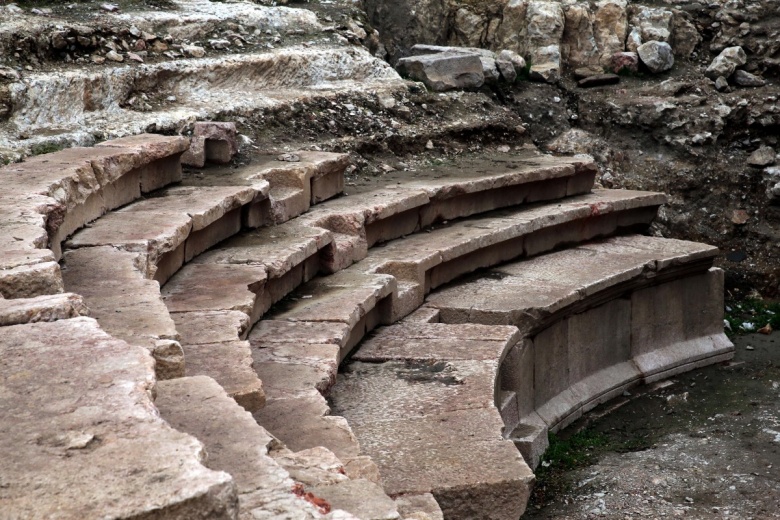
{"points": [[321, 504]]}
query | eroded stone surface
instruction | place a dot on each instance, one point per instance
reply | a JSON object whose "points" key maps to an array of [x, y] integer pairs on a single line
{"points": [[235, 443], [41, 308], [417, 397], [75, 444]]}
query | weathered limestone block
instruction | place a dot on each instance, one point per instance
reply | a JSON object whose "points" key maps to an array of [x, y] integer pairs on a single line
{"points": [[545, 21], [652, 23], [511, 34], [578, 44], [546, 64], [81, 437], [196, 155], [469, 28], [159, 158], [41, 308], [236, 444], [610, 26], [221, 143], [726, 63], [685, 36], [441, 72], [29, 281], [230, 364]]}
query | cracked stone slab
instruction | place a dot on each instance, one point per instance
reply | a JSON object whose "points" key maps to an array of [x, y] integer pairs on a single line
{"points": [[80, 444]]}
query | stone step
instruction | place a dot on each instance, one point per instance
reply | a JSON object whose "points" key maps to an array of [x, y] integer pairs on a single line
{"points": [[173, 226], [301, 180], [417, 395], [69, 107], [237, 445], [126, 304], [49, 307], [194, 20], [404, 206], [81, 436], [598, 318], [48, 197]]}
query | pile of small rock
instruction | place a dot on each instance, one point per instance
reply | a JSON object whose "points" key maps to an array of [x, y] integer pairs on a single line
{"points": [[725, 67]]}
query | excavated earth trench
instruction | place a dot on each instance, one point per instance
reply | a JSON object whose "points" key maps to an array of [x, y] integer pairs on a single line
{"points": [[222, 274]]}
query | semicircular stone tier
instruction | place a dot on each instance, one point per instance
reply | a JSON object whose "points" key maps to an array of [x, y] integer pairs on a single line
{"points": [[513, 352]]}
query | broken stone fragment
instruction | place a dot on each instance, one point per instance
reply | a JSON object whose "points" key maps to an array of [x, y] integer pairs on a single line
{"points": [[195, 156], [115, 56], [624, 62], [657, 56], [507, 70], [221, 144], [726, 63], [599, 80], [515, 59], [764, 156], [193, 50], [746, 79], [722, 84], [585, 72], [445, 71]]}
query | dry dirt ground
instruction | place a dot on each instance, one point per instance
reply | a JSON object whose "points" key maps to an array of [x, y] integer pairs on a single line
{"points": [[703, 445]]}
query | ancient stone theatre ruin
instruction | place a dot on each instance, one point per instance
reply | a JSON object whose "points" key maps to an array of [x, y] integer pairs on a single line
{"points": [[354, 260]]}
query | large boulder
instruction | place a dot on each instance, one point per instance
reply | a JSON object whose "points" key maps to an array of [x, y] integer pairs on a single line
{"points": [[657, 56], [444, 71], [726, 62]]}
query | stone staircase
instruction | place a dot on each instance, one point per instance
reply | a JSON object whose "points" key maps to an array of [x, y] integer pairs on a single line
{"points": [[256, 284]]}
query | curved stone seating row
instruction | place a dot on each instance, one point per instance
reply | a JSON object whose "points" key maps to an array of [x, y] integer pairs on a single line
{"points": [[111, 263], [520, 349], [275, 260], [598, 319], [48, 197], [299, 345]]}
